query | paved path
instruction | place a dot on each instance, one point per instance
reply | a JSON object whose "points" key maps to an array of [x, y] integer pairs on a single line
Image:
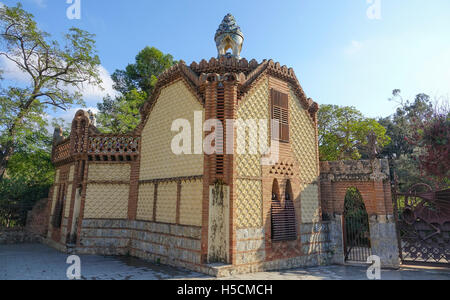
{"points": [[30, 262]]}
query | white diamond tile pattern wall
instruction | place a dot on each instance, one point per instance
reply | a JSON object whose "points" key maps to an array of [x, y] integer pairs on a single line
{"points": [[157, 158], [310, 203], [71, 173], [303, 140], [191, 203], [166, 204], [107, 201], [303, 136], [109, 172], [255, 106], [57, 176], [249, 204], [68, 201], [145, 202]]}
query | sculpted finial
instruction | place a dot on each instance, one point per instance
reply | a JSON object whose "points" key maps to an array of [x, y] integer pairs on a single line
{"points": [[58, 135], [229, 36]]}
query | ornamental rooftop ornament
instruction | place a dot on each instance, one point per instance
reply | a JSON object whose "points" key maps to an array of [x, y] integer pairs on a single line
{"points": [[229, 36]]}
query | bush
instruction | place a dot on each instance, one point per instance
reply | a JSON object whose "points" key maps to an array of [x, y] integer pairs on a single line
{"points": [[17, 197]]}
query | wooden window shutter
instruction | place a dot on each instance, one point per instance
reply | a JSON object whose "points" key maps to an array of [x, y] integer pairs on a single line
{"points": [[283, 219], [290, 229], [280, 112], [276, 214]]}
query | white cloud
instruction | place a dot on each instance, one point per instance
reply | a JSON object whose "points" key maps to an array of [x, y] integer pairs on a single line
{"points": [[96, 93], [91, 94], [12, 72]]}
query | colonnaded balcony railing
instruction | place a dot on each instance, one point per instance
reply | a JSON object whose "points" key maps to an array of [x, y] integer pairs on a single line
{"points": [[61, 152], [113, 147], [101, 147]]}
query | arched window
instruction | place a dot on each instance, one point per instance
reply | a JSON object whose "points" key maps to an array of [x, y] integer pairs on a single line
{"points": [[276, 213], [289, 213], [283, 215]]}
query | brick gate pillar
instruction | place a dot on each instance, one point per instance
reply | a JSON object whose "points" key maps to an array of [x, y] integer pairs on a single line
{"points": [[383, 231], [372, 179]]}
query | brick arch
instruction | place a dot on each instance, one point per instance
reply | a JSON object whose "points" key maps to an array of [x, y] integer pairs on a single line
{"points": [[371, 178], [276, 190], [366, 189], [359, 192]]}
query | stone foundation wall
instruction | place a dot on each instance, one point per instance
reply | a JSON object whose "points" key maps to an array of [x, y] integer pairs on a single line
{"points": [[315, 238], [180, 246], [252, 248], [156, 242], [18, 236]]}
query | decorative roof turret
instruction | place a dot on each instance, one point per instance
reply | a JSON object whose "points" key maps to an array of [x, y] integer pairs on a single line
{"points": [[229, 36]]}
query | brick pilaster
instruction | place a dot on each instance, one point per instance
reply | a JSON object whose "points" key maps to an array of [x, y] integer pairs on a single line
{"points": [[210, 96], [231, 98], [134, 190]]}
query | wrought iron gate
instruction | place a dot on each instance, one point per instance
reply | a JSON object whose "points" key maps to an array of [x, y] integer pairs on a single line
{"points": [[423, 224], [357, 244]]}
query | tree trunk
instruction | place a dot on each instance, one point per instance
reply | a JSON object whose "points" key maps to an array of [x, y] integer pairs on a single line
{"points": [[2, 172], [4, 159]]}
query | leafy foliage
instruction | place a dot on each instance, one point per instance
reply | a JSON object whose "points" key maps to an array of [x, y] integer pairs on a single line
{"points": [[419, 148], [121, 114], [343, 133], [56, 75], [400, 126], [143, 74], [134, 85], [29, 177], [433, 136]]}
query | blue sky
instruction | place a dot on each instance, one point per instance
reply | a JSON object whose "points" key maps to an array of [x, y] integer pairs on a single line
{"points": [[339, 54]]}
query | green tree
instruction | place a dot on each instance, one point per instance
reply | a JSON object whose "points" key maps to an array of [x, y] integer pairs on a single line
{"points": [[120, 114], [419, 148], [143, 74], [135, 85], [344, 131], [400, 126], [433, 135], [29, 177], [56, 76]]}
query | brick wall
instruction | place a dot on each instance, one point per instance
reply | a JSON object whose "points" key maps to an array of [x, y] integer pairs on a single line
{"points": [[371, 178], [37, 219]]}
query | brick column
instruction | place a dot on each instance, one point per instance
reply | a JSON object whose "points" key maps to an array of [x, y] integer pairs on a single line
{"points": [[134, 190], [210, 96], [383, 231], [231, 92], [326, 198]]}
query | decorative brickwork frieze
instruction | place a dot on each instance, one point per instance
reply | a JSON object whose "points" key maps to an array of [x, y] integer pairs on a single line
{"points": [[371, 178]]}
